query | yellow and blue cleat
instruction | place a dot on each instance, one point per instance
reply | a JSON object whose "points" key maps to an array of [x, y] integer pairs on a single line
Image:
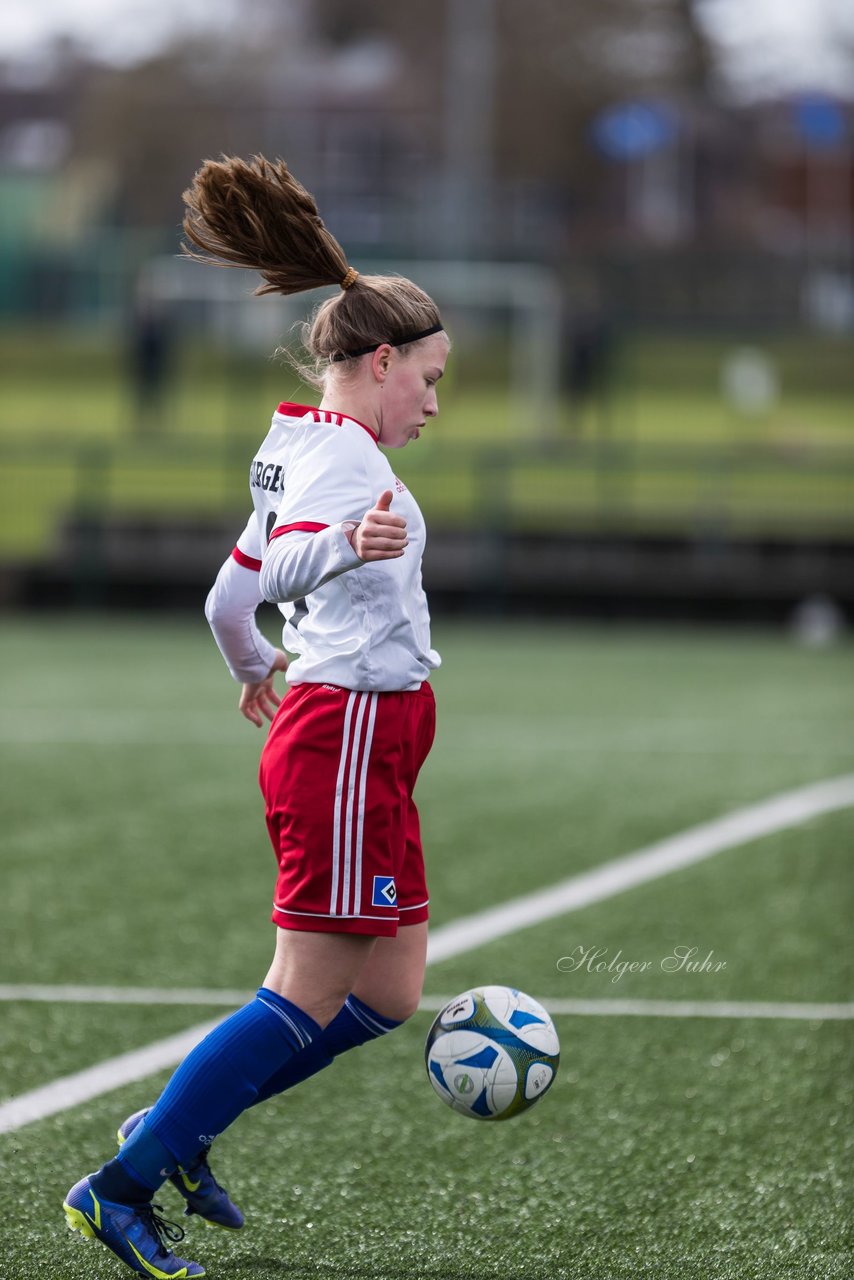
{"points": [[196, 1184], [136, 1234]]}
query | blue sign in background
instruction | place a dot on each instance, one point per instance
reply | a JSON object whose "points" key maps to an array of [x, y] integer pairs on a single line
{"points": [[630, 130], [819, 121]]}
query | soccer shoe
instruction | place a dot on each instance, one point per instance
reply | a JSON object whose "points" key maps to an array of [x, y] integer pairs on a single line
{"points": [[135, 1233], [196, 1183]]}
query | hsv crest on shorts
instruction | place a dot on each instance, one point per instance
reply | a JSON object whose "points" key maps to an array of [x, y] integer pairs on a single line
{"points": [[385, 893]]}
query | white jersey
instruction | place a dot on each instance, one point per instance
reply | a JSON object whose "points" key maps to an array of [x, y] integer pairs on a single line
{"points": [[357, 625]]}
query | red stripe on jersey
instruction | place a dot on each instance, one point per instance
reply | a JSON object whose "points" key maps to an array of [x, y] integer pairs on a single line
{"points": [[294, 410], [302, 526], [248, 562], [328, 416]]}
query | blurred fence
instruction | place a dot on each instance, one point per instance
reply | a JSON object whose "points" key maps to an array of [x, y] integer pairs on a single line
{"points": [[525, 487], [628, 436], [559, 522]]}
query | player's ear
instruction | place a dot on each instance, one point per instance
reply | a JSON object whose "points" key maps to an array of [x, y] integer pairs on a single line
{"points": [[381, 362]]}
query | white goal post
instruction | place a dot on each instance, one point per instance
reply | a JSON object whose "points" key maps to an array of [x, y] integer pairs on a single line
{"points": [[528, 292]]}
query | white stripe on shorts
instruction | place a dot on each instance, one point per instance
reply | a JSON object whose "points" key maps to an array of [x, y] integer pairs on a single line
{"points": [[352, 776], [363, 781], [339, 790], [349, 813]]}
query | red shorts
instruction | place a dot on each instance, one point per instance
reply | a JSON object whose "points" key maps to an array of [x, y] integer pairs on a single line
{"points": [[337, 773]]}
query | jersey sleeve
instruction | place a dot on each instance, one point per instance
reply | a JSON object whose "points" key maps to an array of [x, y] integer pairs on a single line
{"points": [[248, 550], [327, 492], [230, 610]]}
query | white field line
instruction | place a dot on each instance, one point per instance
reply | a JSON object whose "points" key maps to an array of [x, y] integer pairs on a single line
{"points": [[789, 809], [559, 1007], [786, 810], [556, 1005], [122, 995], [82, 1086]]}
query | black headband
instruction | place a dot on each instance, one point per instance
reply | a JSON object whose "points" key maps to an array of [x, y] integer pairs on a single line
{"points": [[401, 342]]}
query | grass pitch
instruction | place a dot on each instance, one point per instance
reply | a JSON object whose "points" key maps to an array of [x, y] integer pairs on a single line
{"points": [[133, 853]]}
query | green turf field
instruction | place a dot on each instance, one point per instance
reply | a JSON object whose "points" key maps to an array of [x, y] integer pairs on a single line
{"points": [[134, 854]]}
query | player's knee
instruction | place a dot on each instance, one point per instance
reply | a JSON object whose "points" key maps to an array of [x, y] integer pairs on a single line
{"points": [[398, 1006]]}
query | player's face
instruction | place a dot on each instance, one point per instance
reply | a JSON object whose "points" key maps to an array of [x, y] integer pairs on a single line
{"points": [[408, 396]]}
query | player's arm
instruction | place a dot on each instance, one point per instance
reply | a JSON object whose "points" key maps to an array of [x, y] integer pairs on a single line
{"points": [[328, 524], [230, 610]]}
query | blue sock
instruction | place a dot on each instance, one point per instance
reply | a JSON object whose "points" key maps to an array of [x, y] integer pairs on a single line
{"points": [[354, 1024], [217, 1081]]}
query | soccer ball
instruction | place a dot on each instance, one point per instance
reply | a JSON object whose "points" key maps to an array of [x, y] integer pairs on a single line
{"points": [[492, 1053]]}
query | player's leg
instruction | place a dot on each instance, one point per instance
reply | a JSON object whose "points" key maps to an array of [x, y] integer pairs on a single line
{"points": [[212, 1086], [392, 978], [314, 969], [307, 976], [310, 772], [389, 986], [384, 995], [221, 1077]]}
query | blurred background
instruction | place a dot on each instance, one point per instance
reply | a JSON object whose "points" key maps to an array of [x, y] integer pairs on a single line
{"points": [[635, 215]]}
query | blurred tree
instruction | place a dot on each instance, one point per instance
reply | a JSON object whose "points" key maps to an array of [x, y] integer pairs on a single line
{"points": [[555, 61], [493, 92], [152, 124], [507, 90]]}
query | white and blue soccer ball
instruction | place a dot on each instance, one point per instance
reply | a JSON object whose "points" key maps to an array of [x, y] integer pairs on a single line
{"points": [[492, 1053]]}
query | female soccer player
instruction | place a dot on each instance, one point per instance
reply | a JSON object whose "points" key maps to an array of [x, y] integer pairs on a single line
{"points": [[337, 541]]}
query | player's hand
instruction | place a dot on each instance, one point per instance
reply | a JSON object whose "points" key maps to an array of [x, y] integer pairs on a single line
{"points": [[258, 702], [380, 535]]}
